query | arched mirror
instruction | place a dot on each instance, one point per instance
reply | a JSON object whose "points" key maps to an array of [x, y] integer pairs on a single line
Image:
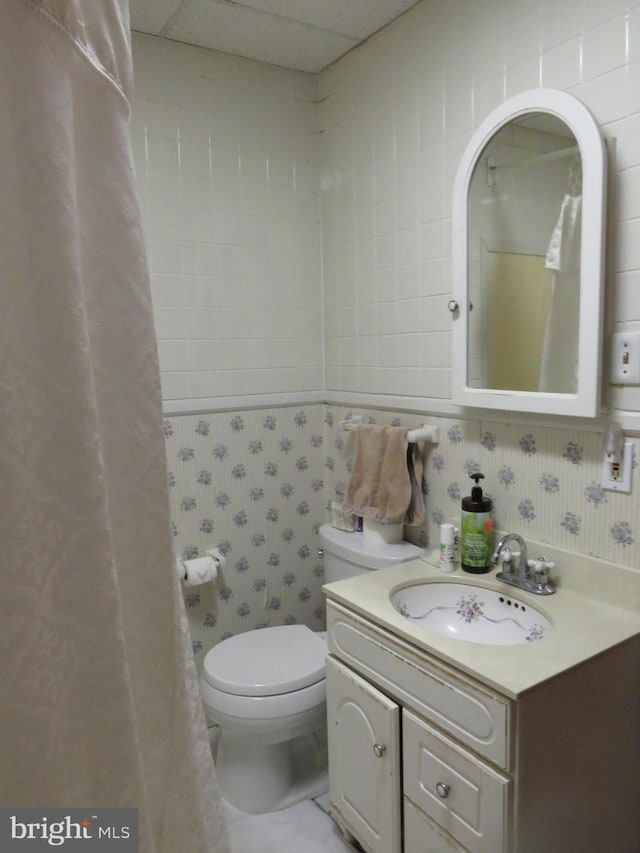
{"points": [[528, 241]]}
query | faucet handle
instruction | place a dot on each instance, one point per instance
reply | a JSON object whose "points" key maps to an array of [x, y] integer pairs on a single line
{"points": [[506, 559], [541, 568]]}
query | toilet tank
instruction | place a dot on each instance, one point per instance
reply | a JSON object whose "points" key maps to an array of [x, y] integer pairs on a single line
{"points": [[349, 554]]}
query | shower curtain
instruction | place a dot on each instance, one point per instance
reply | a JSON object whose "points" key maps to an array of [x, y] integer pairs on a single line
{"points": [[99, 702], [559, 366]]}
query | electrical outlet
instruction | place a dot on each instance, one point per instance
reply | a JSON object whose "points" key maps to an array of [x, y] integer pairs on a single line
{"points": [[625, 358], [616, 476]]}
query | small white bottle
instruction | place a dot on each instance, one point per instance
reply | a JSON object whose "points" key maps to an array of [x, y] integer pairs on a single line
{"points": [[447, 548]]}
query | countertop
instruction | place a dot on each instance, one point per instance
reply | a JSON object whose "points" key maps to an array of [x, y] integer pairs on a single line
{"points": [[596, 607]]}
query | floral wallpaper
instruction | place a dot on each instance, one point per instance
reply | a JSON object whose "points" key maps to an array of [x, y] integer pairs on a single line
{"points": [[259, 483], [544, 482], [250, 483]]}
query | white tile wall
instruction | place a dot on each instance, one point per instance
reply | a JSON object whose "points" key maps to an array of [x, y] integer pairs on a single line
{"points": [[395, 116], [230, 155], [226, 163]]}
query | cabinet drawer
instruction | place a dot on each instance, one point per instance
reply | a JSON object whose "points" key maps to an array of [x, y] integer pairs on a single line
{"points": [[422, 836], [465, 796], [472, 714]]}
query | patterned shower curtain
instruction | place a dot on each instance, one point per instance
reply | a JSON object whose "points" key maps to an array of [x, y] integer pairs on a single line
{"points": [[99, 702]]}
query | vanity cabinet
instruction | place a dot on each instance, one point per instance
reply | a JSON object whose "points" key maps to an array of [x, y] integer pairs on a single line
{"points": [[425, 759]]}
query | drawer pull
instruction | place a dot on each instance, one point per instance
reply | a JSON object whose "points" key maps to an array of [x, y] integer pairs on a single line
{"points": [[379, 750], [443, 790]]}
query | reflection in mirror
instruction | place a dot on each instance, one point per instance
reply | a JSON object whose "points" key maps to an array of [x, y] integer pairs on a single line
{"points": [[528, 239], [525, 202]]}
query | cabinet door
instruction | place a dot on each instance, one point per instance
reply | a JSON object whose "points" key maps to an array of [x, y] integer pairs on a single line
{"points": [[364, 759]]}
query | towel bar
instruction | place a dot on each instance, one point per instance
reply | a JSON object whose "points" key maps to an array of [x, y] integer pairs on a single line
{"points": [[423, 433]]}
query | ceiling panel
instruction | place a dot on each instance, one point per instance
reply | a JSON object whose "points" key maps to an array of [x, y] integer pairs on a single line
{"points": [[254, 34], [150, 16], [306, 35], [356, 18]]}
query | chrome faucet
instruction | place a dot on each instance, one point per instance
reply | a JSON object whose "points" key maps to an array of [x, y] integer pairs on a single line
{"points": [[532, 575]]}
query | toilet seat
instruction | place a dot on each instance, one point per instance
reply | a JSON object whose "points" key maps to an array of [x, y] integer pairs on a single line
{"points": [[268, 674], [229, 708], [266, 662]]}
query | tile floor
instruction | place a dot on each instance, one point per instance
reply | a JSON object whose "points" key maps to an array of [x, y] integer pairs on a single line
{"points": [[303, 828]]}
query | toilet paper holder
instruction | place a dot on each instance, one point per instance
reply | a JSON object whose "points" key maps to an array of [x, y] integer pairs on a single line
{"points": [[201, 570]]}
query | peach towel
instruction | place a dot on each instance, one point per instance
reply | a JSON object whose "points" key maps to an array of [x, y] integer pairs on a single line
{"points": [[386, 481]]}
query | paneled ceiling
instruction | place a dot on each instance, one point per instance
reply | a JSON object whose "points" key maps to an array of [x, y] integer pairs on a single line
{"points": [[306, 35]]}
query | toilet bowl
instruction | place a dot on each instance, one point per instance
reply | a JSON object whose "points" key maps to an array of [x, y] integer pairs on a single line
{"points": [[265, 689]]}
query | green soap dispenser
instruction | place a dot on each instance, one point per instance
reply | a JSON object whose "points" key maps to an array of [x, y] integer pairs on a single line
{"points": [[476, 531]]}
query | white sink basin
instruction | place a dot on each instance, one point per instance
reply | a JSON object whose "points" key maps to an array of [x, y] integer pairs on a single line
{"points": [[465, 612]]}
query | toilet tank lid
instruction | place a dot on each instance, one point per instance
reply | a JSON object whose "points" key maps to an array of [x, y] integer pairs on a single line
{"points": [[266, 661], [352, 547]]}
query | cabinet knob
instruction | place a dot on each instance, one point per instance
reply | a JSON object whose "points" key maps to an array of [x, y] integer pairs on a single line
{"points": [[453, 306], [443, 789], [379, 750]]}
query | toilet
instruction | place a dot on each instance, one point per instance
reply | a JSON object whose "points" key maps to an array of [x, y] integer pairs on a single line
{"points": [[265, 689]]}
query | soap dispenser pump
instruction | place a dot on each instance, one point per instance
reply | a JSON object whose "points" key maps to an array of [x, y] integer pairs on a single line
{"points": [[476, 539]]}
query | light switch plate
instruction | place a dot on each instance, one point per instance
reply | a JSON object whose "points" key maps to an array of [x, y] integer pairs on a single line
{"points": [[625, 358]]}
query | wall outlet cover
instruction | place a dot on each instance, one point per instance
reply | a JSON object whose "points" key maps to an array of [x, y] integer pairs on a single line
{"points": [[617, 477]]}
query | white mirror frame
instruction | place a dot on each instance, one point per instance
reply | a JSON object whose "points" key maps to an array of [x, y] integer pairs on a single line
{"points": [[586, 402]]}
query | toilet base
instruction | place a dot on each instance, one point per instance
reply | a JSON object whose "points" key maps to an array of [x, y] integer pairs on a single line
{"points": [[252, 775], [310, 770], [258, 778]]}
